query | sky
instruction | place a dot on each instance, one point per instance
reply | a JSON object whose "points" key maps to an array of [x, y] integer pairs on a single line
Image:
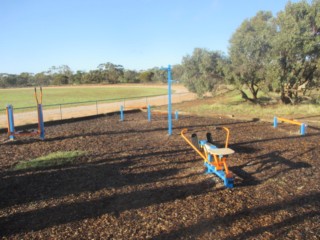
{"points": [[138, 34]]}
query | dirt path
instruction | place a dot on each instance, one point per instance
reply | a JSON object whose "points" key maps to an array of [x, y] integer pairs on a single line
{"points": [[180, 94]]}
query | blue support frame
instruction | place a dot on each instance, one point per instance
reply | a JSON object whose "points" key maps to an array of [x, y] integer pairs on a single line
{"points": [[303, 129], [169, 102], [121, 113], [10, 121], [169, 99], [149, 113], [228, 182], [275, 122], [303, 126], [10, 116], [41, 122]]}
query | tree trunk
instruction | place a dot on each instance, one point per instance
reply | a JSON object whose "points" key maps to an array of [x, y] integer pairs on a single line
{"points": [[254, 91], [245, 97]]}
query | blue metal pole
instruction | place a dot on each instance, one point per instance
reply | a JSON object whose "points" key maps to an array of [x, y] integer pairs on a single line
{"points": [[149, 113], [121, 113], [40, 122], [275, 122], [303, 129], [10, 122], [169, 102], [177, 115]]}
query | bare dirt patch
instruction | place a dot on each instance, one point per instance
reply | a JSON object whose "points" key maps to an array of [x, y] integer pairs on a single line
{"points": [[136, 182]]}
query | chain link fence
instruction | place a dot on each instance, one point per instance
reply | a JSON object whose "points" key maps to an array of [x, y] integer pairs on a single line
{"points": [[63, 111]]}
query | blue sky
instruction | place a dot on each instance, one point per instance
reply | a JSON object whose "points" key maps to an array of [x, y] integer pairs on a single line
{"points": [[138, 34]]}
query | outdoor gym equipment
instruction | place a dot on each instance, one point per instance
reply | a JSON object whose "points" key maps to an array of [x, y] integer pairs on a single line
{"points": [[215, 159], [40, 131], [302, 125], [122, 109], [176, 114], [168, 69]]}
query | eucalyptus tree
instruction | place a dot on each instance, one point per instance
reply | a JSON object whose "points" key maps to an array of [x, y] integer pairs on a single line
{"points": [[296, 49], [200, 72], [78, 77], [42, 79], [158, 75], [146, 76], [112, 73], [8, 80], [177, 72], [249, 51], [60, 75], [93, 76], [25, 79], [129, 76]]}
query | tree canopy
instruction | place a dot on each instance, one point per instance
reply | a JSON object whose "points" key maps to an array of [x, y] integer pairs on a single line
{"points": [[249, 52], [296, 49], [200, 72], [277, 53]]}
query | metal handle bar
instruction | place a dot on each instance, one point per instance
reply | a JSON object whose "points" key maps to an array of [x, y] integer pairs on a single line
{"points": [[190, 143]]}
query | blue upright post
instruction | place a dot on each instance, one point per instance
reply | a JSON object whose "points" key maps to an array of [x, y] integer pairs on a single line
{"points": [[177, 115], [169, 102], [149, 113], [275, 122], [121, 113], [303, 129], [10, 122], [41, 122]]}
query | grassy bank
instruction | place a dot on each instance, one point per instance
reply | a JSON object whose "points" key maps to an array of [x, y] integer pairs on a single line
{"points": [[231, 103]]}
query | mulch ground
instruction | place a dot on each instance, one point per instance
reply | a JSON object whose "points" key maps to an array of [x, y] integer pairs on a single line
{"points": [[136, 182]]}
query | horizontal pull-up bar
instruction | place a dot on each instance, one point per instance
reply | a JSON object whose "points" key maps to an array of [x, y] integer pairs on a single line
{"points": [[303, 126], [289, 121]]}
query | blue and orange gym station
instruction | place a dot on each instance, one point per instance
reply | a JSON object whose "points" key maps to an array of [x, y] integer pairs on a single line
{"points": [[12, 134], [215, 159]]}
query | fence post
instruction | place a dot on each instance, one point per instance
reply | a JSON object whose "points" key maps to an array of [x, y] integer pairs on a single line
{"points": [[177, 115]]}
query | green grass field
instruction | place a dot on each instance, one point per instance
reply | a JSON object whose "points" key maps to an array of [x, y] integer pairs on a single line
{"points": [[24, 97]]}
